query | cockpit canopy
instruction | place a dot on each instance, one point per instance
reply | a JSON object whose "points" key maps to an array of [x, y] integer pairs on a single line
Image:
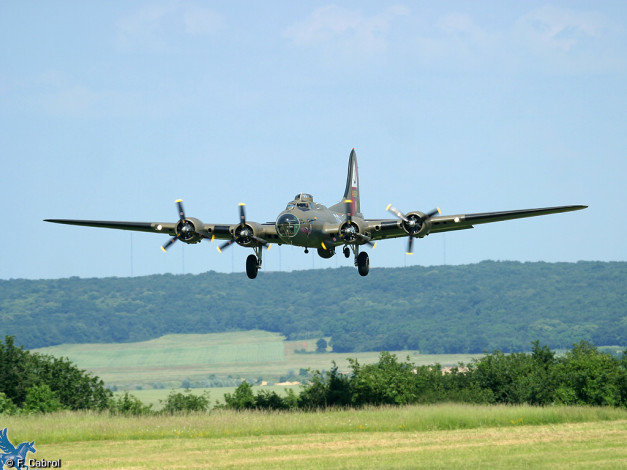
{"points": [[303, 197], [303, 201]]}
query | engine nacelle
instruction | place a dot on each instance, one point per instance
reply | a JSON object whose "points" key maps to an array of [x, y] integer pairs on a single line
{"points": [[348, 231], [417, 224], [245, 236], [326, 254], [187, 230]]}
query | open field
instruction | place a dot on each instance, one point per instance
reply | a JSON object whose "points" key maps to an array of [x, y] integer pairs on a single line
{"points": [[440, 436], [254, 354]]}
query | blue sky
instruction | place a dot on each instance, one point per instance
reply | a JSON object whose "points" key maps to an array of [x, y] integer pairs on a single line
{"points": [[113, 110]]}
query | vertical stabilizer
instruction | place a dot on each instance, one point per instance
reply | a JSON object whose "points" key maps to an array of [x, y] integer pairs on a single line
{"points": [[351, 193]]}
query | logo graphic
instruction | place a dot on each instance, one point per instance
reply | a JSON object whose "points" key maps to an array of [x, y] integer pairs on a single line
{"points": [[11, 456]]}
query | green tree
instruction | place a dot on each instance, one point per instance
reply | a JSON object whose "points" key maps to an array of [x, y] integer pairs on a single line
{"points": [[7, 407], [588, 377], [21, 370], [40, 399], [242, 399], [16, 376], [388, 382], [326, 389], [321, 345]]}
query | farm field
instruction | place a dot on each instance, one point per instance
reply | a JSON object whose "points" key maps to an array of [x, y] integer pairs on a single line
{"points": [[251, 354], [439, 436]]}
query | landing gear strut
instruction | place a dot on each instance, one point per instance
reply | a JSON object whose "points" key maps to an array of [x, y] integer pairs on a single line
{"points": [[253, 263]]}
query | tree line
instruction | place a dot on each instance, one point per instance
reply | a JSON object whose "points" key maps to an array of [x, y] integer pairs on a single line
{"points": [[436, 309], [582, 376]]}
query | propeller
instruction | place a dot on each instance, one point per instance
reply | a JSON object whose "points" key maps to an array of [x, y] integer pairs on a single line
{"points": [[412, 223], [184, 229], [243, 234], [349, 231]]}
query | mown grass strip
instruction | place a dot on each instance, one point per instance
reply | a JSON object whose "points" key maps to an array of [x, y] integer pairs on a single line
{"points": [[569, 445], [79, 426]]}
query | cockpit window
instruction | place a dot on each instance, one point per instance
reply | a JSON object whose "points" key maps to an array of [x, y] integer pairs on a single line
{"points": [[287, 225], [290, 206], [304, 206], [303, 197]]}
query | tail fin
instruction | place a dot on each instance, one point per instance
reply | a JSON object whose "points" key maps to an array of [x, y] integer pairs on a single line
{"points": [[351, 193]]}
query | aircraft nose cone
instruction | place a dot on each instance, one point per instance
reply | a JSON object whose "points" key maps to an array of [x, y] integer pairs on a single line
{"points": [[287, 226]]}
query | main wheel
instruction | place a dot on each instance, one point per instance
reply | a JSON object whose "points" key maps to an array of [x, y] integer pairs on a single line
{"points": [[363, 263], [251, 266]]}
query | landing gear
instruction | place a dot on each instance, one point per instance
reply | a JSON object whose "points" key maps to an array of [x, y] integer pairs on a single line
{"points": [[363, 263], [361, 259], [346, 251], [253, 263], [251, 266]]}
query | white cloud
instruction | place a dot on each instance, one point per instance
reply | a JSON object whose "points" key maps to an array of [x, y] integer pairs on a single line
{"points": [[348, 29], [559, 28], [154, 26]]}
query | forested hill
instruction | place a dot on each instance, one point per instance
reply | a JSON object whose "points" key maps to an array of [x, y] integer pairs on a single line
{"points": [[452, 309]]}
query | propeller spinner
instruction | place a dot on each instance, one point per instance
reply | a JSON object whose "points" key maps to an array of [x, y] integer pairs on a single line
{"points": [[243, 234], [412, 223], [349, 231], [185, 229]]}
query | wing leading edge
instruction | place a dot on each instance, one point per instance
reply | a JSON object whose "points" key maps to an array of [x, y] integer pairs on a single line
{"points": [[465, 221], [210, 231], [155, 227], [392, 228]]}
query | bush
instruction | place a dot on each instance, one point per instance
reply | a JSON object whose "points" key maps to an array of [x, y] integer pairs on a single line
{"points": [[178, 402], [7, 407], [40, 399], [128, 404], [245, 399]]}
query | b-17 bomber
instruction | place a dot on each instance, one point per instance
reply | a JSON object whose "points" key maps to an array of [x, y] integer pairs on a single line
{"points": [[308, 224]]}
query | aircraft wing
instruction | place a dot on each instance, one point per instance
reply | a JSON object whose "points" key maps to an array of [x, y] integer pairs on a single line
{"points": [[392, 228], [445, 223], [156, 227], [219, 231]]}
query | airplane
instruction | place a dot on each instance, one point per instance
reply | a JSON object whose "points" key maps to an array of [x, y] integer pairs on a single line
{"points": [[308, 224]]}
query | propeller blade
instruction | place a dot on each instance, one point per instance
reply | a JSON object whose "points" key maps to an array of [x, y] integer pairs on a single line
{"points": [[261, 241], [349, 217], [365, 239], [242, 214], [168, 244], [432, 213], [179, 205], [410, 243], [396, 212], [225, 245]]}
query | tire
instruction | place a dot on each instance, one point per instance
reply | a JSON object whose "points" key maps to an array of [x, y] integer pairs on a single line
{"points": [[251, 266], [363, 263]]}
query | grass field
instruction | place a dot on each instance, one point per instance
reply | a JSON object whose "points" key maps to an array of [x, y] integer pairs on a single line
{"points": [[171, 359], [439, 436]]}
